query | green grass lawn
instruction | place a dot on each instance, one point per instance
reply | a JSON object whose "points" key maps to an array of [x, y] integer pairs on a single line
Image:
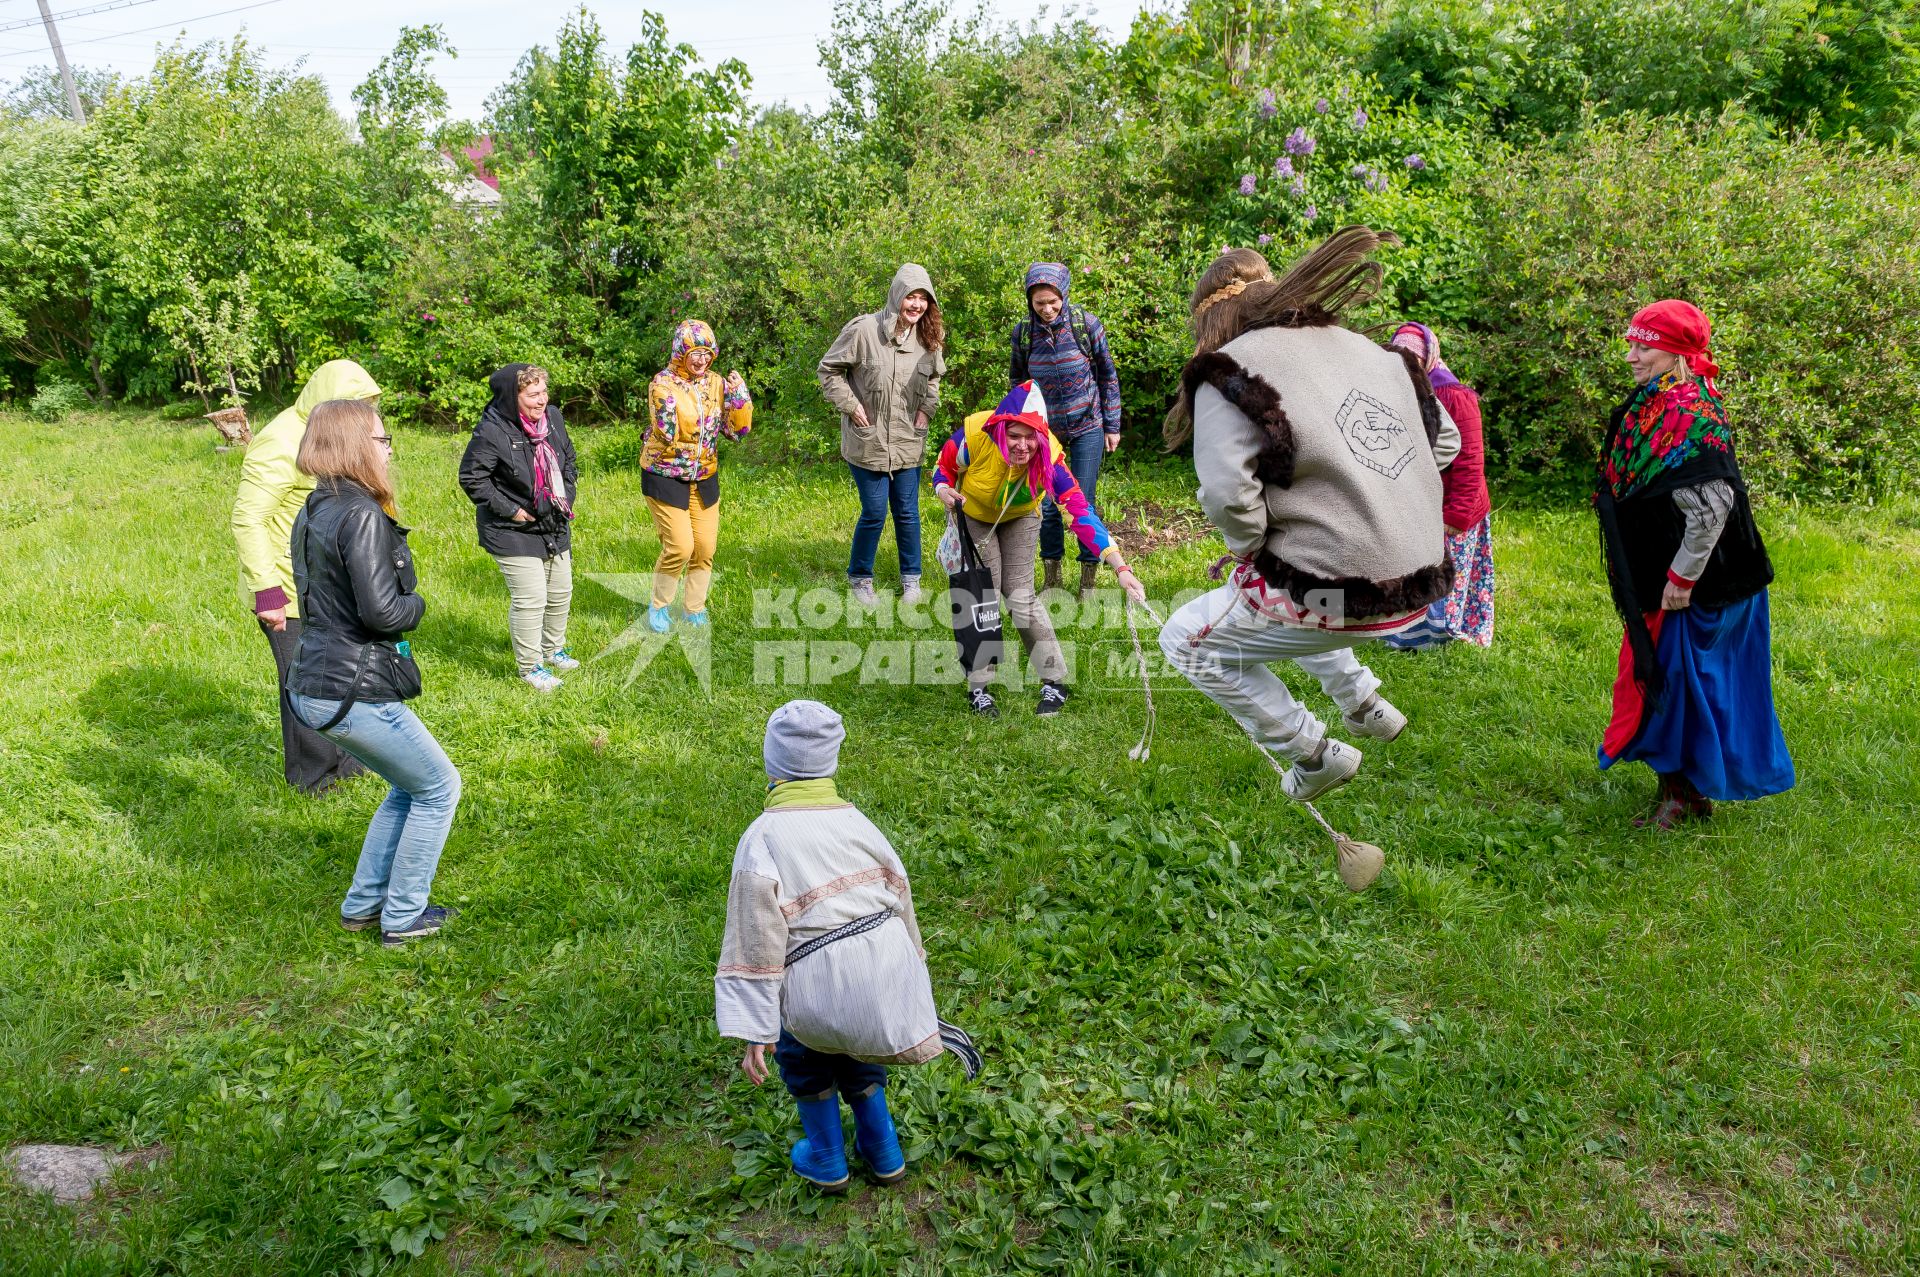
{"points": [[1545, 1041]]}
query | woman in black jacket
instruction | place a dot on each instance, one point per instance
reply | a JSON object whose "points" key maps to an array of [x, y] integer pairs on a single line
{"points": [[520, 471], [353, 673]]}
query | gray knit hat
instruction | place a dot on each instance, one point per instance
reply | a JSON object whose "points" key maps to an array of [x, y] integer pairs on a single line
{"points": [[803, 741]]}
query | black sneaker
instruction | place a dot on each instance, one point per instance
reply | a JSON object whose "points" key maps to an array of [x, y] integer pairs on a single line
{"points": [[431, 919], [980, 700], [1053, 699]]}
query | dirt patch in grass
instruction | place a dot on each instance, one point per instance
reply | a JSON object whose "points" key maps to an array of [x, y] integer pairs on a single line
{"points": [[1675, 1203], [471, 1249], [768, 1228], [1145, 526], [667, 1156], [1435, 1217]]}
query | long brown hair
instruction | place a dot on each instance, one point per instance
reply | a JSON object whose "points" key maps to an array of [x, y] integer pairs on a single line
{"points": [[1238, 292], [929, 328], [339, 445]]}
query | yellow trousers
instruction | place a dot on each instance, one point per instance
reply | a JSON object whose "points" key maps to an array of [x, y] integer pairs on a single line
{"points": [[687, 541]]}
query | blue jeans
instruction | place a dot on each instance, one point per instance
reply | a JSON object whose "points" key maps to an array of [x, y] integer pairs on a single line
{"points": [[879, 493], [809, 1073], [402, 847], [1084, 454]]}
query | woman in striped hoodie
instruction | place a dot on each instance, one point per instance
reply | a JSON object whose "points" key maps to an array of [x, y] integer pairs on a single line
{"points": [[1062, 348]]}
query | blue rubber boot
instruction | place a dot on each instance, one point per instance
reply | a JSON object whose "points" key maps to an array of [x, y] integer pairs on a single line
{"points": [[659, 620], [874, 1136], [821, 1157]]}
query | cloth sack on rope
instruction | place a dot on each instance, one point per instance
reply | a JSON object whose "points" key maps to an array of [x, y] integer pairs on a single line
{"points": [[948, 552]]}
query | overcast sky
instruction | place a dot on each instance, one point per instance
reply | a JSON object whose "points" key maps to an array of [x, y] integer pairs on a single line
{"points": [[342, 39]]}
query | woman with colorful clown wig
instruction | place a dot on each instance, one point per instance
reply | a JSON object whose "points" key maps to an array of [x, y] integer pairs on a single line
{"points": [[690, 408], [1466, 613], [1689, 574], [993, 472]]}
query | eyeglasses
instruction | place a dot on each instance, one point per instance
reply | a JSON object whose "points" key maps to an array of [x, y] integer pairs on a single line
{"points": [[385, 441]]}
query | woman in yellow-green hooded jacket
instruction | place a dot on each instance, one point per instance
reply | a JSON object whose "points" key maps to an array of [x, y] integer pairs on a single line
{"points": [[272, 491]]}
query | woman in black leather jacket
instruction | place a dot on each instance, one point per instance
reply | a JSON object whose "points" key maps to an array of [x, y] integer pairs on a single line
{"points": [[519, 471], [353, 673]]}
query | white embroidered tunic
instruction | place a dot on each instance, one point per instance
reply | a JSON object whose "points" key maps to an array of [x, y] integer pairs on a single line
{"points": [[802, 873]]}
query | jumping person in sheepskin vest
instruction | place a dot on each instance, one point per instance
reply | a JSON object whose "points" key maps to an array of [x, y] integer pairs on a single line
{"points": [[1319, 456]]}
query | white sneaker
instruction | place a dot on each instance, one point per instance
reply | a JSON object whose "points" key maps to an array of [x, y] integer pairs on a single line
{"points": [[1377, 719], [1337, 765], [861, 588], [563, 662], [541, 679], [910, 591]]}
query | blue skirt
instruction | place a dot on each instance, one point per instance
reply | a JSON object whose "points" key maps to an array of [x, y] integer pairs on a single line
{"points": [[1714, 723]]}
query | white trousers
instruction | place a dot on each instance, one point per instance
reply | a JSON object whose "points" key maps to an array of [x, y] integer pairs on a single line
{"points": [[1223, 644]]}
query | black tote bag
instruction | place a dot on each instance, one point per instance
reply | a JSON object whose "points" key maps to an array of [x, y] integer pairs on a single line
{"points": [[974, 604]]}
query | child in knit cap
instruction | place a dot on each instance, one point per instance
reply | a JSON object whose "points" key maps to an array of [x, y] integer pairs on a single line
{"points": [[822, 959]]}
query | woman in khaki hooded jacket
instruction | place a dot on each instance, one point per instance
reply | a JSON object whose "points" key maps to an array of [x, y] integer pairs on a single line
{"points": [[883, 374]]}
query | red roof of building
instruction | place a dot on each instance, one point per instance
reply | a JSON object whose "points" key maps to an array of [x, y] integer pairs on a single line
{"points": [[478, 153]]}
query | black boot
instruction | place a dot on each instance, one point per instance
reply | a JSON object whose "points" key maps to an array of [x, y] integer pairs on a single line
{"points": [[1053, 699]]}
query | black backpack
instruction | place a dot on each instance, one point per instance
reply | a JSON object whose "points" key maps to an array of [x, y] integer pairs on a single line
{"points": [[1076, 319]]}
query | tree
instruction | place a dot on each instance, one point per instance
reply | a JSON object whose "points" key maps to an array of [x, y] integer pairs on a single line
{"points": [[598, 144], [39, 95], [219, 338]]}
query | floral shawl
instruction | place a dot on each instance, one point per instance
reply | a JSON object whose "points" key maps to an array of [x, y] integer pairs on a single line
{"points": [[1667, 423]]}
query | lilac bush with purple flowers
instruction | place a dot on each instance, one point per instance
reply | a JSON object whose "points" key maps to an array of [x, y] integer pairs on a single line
{"points": [[1248, 182], [1283, 167], [1299, 143]]}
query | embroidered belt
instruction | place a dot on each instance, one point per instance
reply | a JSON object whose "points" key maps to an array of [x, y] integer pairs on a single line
{"points": [[841, 932]]}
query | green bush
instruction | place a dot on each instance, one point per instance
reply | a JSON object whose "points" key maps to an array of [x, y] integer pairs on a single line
{"points": [[55, 399], [1805, 255], [183, 410]]}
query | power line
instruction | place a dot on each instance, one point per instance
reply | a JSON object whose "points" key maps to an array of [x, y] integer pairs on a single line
{"points": [[71, 13], [163, 26]]}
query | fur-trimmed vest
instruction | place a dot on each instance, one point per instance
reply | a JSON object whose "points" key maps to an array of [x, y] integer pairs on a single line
{"points": [[1316, 453]]}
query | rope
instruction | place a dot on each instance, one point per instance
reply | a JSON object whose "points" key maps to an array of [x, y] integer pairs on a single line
{"points": [[1140, 752]]}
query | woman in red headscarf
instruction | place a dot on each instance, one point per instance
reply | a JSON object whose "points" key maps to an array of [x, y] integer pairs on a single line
{"points": [[1689, 575]]}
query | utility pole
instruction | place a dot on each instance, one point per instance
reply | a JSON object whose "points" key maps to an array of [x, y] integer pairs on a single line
{"points": [[60, 56]]}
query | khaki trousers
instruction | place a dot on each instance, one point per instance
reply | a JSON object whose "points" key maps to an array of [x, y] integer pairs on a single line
{"points": [[1008, 551], [541, 594]]}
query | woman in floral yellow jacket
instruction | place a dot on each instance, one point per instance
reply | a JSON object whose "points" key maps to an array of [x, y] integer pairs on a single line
{"points": [[689, 408]]}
